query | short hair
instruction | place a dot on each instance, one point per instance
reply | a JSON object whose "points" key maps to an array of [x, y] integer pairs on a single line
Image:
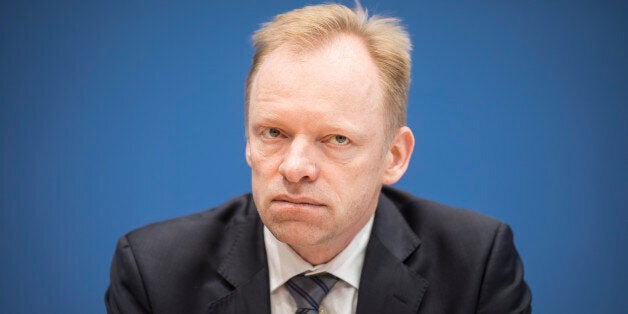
{"points": [[387, 42]]}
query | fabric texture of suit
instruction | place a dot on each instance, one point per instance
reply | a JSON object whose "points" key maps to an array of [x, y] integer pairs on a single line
{"points": [[422, 257]]}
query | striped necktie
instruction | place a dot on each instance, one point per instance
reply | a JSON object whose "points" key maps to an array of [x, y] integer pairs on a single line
{"points": [[309, 291]]}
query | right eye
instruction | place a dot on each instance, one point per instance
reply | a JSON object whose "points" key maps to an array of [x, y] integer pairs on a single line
{"points": [[271, 133]]}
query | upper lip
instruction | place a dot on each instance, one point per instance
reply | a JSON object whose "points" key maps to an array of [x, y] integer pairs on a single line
{"points": [[297, 199]]}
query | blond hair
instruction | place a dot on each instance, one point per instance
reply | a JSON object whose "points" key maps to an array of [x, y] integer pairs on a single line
{"points": [[386, 40]]}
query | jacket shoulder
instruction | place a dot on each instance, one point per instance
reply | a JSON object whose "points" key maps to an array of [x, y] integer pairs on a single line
{"points": [[421, 213], [173, 265], [204, 227], [463, 236], [469, 259]]}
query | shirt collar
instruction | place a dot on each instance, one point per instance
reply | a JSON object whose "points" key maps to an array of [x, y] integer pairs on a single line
{"points": [[284, 263]]}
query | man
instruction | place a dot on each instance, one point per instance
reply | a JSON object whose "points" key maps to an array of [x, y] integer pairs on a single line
{"points": [[325, 124]]}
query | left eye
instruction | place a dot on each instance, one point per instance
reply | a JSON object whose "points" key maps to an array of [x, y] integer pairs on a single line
{"points": [[339, 140]]}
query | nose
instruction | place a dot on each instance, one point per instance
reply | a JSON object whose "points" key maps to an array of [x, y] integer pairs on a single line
{"points": [[298, 164]]}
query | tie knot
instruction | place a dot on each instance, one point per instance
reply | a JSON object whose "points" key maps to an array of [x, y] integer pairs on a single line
{"points": [[309, 291]]}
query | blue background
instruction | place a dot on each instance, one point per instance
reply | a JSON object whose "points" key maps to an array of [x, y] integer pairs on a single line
{"points": [[121, 113]]}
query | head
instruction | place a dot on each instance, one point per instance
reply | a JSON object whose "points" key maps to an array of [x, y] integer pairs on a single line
{"points": [[310, 27], [325, 123]]}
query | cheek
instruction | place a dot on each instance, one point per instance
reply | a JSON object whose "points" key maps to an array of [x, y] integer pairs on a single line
{"points": [[263, 158], [362, 172], [264, 175], [357, 185]]}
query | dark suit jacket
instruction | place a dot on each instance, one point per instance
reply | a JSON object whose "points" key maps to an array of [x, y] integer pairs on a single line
{"points": [[422, 257]]}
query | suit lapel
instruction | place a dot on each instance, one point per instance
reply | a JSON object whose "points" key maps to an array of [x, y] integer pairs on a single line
{"points": [[387, 284], [245, 268]]}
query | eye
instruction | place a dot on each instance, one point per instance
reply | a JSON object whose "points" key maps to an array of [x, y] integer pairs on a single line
{"points": [[271, 133], [339, 140]]}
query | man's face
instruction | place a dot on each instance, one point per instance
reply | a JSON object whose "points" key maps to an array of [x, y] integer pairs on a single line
{"points": [[316, 143]]}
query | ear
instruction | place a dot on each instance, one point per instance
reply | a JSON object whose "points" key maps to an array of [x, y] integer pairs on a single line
{"points": [[248, 152], [398, 155]]}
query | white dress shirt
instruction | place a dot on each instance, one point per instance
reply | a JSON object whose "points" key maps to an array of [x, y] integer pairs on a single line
{"points": [[284, 263]]}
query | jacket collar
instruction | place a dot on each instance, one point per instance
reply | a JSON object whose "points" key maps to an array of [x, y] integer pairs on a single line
{"points": [[245, 267], [388, 285]]}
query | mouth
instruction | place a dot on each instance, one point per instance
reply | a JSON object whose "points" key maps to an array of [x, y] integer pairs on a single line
{"points": [[300, 202]]}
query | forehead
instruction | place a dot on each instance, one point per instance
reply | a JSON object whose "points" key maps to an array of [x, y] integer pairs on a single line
{"points": [[339, 72]]}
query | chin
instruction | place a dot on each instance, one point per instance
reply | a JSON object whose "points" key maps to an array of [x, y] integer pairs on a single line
{"points": [[296, 234]]}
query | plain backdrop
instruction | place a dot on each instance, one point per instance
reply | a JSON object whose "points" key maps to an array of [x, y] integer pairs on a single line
{"points": [[116, 114]]}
